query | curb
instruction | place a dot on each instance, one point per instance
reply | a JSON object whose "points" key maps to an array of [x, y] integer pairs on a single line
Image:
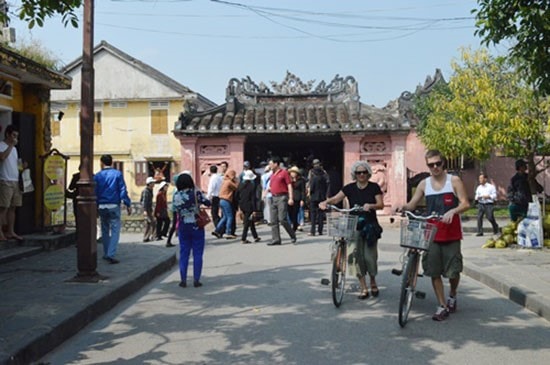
{"points": [[525, 298], [49, 338]]}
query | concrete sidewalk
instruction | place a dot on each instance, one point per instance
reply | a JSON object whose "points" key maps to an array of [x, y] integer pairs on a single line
{"points": [[39, 309], [521, 275]]}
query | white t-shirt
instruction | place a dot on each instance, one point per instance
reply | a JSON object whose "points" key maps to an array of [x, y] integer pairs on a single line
{"points": [[8, 167]]}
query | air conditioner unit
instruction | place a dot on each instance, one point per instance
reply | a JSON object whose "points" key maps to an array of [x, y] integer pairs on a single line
{"points": [[8, 34]]}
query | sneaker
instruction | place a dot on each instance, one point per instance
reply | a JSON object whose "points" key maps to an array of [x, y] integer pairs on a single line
{"points": [[230, 236], [112, 260], [441, 314], [451, 304], [216, 234]]}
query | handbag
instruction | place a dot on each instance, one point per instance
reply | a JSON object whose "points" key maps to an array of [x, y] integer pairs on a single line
{"points": [[202, 216]]}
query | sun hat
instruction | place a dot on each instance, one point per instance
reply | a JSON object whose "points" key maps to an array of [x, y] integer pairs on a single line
{"points": [[295, 169], [249, 175], [150, 180], [163, 184]]}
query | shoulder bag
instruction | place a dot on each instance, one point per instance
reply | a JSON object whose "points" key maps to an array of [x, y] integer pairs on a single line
{"points": [[201, 216]]}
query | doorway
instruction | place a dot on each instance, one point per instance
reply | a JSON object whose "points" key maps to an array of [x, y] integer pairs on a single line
{"points": [[298, 150]]}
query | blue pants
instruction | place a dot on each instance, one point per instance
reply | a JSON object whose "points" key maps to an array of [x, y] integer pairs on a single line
{"points": [[191, 238], [110, 230], [227, 217]]}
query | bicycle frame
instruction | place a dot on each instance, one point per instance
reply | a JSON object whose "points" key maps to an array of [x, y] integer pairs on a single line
{"points": [[421, 235], [344, 229]]}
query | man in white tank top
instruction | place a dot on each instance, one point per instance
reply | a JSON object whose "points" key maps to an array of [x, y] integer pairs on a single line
{"points": [[445, 195]]}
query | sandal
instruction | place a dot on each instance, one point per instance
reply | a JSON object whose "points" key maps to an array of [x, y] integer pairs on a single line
{"points": [[374, 291], [364, 295]]}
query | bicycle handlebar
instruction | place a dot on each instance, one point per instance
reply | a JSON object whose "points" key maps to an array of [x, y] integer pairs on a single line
{"points": [[421, 217], [356, 208]]}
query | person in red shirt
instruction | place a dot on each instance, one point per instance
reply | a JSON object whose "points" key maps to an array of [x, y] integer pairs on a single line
{"points": [[445, 194], [280, 187]]}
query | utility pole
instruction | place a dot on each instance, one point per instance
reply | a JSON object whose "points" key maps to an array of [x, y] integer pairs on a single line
{"points": [[86, 201]]}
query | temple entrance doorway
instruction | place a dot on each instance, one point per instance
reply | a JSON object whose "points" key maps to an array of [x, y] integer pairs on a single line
{"points": [[295, 150]]}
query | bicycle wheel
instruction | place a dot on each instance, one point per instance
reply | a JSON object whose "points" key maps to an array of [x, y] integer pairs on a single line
{"points": [[339, 274], [408, 284]]}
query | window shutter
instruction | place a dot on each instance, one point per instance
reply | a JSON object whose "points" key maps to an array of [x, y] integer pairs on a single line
{"points": [[141, 172], [97, 123], [159, 121]]}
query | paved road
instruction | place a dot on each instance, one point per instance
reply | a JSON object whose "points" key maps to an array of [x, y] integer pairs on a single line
{"points": [[265, 305]]}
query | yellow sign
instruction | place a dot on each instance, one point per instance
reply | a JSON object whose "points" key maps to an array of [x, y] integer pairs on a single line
{"points": [[54, 197], [54, 167]]}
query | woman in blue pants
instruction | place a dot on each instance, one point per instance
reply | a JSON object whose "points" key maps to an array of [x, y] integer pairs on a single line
{"points": [[186, 202]]}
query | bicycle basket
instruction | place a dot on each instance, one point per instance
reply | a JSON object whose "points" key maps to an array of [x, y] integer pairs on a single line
{"points": [[341, 225], [417, 234]]}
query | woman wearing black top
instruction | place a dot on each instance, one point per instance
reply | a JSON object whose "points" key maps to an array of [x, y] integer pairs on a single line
{"points": [[246, 197], [363, 250]]}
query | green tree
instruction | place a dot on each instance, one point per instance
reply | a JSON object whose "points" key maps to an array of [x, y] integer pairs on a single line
{"points": [[487, 107], [35, 12], [526, 23]]}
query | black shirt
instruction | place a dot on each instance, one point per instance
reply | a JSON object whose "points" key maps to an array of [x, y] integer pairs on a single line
{"points": [[367, 195]]}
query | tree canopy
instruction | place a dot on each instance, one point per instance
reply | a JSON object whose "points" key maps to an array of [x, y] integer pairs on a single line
{"points": [[486, 107], [35, 12], [526, 23]]}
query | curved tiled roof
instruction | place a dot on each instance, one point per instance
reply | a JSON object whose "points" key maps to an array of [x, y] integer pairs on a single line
{"points": [[291, 107]]}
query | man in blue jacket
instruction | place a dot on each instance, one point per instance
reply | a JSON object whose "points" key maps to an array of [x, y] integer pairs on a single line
{"points": [[110, 190]]}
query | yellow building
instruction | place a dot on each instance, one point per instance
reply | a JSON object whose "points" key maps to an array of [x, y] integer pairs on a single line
{"points": [[136, 107], [24, 102]]}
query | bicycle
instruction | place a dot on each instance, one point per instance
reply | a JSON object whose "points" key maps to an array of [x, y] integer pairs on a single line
{"points": [[342, 226], [416, 236]]}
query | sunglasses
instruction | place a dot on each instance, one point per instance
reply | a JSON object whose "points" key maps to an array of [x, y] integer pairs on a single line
{"points": [[361, 172], [435, 164]]}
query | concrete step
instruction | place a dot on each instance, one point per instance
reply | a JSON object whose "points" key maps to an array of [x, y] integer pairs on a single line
{"points": [[32, 244], [17, 253]]}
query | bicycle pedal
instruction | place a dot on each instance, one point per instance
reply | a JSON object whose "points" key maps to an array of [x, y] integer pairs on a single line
{"points": [[397, 272], [325, 281], [420, 294]]}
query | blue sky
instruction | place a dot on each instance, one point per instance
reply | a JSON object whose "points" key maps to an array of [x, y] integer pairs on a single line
{"points": [[387, 46]]}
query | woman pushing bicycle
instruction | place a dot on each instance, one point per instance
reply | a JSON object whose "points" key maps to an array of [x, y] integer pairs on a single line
{"points": [[363, 250], [446, 196]]}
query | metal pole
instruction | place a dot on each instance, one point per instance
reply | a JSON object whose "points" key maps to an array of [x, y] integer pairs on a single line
{"points": [[86, 201]]}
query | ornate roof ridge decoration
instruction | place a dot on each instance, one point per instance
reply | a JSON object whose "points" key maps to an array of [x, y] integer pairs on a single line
{"points": [[292, 85], [290, 107], [404, 105]]}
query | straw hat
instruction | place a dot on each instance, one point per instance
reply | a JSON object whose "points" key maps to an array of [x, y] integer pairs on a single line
{"points": [[295, 169]]}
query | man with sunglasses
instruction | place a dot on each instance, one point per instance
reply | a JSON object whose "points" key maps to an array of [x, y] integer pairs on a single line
{"points": [[445, 195]]}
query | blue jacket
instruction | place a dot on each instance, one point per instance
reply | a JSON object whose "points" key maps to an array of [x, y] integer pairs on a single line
{"points": [[110, 187]]}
